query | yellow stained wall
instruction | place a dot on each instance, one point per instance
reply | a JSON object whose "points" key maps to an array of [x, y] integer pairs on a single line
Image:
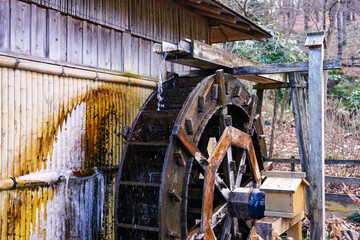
{"points": [[58, 123]]}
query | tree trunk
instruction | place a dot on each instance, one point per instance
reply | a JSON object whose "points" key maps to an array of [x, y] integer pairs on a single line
{"points": [[344, 21], [324, 15], [333, 12], [306, 15], [339, 32]]}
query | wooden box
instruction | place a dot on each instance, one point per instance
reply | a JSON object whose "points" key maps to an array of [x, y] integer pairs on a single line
{"points": [[284, 194]]}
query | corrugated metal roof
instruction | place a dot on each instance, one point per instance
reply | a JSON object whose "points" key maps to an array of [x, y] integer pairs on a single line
{"points": [[226, 24]]}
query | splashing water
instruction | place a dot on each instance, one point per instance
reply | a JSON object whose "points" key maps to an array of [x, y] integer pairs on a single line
{"points": [[80, 205], [73, 210], [160, 87]]}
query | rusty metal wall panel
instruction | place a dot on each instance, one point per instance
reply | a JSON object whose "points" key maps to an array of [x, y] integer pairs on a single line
{"points": [[52, 124]]}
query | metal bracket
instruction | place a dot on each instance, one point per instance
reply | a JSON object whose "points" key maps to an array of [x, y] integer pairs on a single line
{"points": [[16, 63], [62, 74]]}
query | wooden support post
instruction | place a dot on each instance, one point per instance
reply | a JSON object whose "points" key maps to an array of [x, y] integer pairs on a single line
{"points": [[315, 42], [299, 124], [269, 227]]}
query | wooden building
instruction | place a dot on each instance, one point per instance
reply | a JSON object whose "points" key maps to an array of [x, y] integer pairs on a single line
{"points": [[72, 74]]}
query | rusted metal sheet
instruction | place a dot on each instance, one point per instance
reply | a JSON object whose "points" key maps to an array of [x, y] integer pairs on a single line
{"points": [[54, 124]]}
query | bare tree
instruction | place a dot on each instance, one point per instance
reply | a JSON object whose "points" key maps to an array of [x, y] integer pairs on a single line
{"points": [[333, 12]]}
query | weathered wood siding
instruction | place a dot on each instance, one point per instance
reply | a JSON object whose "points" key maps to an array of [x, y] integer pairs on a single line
{"points": [[116, 35]]}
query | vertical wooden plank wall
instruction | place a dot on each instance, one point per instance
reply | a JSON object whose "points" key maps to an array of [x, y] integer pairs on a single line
{"points": [[90, 32]]}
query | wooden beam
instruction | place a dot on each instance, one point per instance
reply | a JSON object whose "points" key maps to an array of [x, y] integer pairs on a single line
{"points": [[344, 198], [316, 136], [299, 125], [277, 85], [239, 25], [327, 161], [283, 68], [268, 227], [223, 17], [249, 34], [206, 57], [205, 7], [345, 180]]}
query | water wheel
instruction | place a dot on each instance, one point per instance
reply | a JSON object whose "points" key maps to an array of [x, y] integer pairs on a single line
{"points": [[181, 164]]}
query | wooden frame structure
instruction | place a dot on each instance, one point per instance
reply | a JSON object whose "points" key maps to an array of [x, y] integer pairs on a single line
{"points": [[310, 131]]}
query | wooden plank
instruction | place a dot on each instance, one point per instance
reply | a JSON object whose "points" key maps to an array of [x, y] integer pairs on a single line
{"points": [[90, 44], [134, 55], [117, 19], [276, 85], [299, 125], [155, 61], [20, 27], [327, 161], [91, 15], [345, 180], [127, 51], [283, 68], [38, 31], [116, 51], [144, 57], [339, 198], [268, 226], [104, 47], [99, 11], [5, 25], [176, 25], [125, 13], [109, 12], [285, 174], [278, 184], [57, 35], [316, 140], [342, 162], [74, 40], [157, 19]]}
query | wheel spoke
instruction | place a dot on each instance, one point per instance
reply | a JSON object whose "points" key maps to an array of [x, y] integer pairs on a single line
{"points": [[235, 227], [230, 169], [241, 169], [219, 214], [226, 234], [222, 187]]}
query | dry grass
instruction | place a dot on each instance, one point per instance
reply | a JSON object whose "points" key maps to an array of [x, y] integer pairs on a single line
{"points": [[342, 141]]}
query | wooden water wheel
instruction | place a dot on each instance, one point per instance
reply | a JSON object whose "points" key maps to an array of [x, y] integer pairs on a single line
{"points": [[182, 164]]}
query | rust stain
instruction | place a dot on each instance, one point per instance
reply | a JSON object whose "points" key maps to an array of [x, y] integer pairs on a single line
{"points": [[101, 113], [109, 106]]}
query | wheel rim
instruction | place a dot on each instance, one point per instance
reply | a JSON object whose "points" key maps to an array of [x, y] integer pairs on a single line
{"points": [[170, 215]]}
